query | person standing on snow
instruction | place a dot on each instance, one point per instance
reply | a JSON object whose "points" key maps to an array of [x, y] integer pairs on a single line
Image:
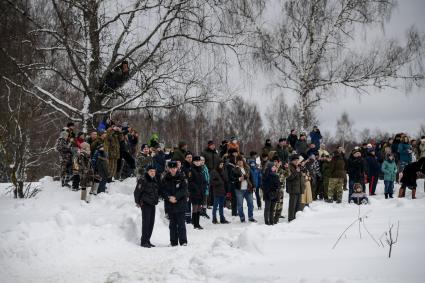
{"points": [[174, 191], [146, 197], [294, 186]]}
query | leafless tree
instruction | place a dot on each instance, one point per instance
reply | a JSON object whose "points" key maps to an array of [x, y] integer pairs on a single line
{"points": [[174, 49], [344, 129], [309, 49]]}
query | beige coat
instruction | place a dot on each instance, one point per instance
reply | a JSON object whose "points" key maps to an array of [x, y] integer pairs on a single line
{"points": [[307, 196]]}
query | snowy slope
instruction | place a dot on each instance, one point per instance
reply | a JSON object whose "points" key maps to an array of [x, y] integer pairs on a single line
{"points": [[57, 238]]}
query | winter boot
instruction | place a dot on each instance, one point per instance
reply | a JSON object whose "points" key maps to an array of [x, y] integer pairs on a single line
{"points": [[401, 192], [391, 195], [198, 215], [83, 194], [386, 196], [194, 220], [224, 221], [414, 193], [214, 221]]}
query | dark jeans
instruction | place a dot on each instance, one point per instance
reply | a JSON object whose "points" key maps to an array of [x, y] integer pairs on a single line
{"points": [[269, 206], [218, 202], [177, 228], [389, 187], [240, 196], [294, 206], [257, 197], [102, 186], [148, 221]]}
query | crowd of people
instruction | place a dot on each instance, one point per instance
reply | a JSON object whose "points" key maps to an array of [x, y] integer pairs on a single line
{"points": [[224, 177]]}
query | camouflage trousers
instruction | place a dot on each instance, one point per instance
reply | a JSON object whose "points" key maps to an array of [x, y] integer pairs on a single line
{"points": [[278, 207], [66, 169], [335, 189], [112, 167]]}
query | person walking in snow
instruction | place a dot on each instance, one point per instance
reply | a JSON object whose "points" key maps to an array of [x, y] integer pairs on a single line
{"points": [[146, 197], [174, 191]]}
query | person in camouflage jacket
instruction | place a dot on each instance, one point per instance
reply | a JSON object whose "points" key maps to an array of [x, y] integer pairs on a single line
{"points": [[283, 173], [313, 168], [143, 159], [65, 154], [112, 149], [84, 169]]}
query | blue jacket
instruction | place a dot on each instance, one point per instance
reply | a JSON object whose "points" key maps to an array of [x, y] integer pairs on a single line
{"points": [[389, 168], [255, 175], [403, 151], [315, 138]]}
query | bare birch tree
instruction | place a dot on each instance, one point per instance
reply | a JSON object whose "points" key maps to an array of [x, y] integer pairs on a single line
{"points": [[172, 49], [344, 129], [309, 47]]}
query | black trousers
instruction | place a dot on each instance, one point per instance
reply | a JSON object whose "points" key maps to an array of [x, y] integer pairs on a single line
{"points": [[148, 221], [269, 207], [294, 205], [177, 228]]}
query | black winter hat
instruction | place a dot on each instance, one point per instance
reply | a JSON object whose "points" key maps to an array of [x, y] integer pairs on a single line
{"points": [[143, 146], [70, 124], [282, 139], [210, 143], [187, 153], [172, 164], [196, 158], [150, 166]]}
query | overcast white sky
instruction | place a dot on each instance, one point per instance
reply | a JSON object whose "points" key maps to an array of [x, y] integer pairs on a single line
{"points": [[389, 110]]}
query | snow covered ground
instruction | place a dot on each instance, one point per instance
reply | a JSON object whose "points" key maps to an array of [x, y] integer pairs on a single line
{"points": [[57, 238]]}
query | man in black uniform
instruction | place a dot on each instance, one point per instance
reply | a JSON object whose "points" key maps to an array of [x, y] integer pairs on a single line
{"points": [[174, 191]]}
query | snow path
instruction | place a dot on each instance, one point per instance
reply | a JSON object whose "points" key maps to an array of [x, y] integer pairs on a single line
{"points": [[57, 238]]}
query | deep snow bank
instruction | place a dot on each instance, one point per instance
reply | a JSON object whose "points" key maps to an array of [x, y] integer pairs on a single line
{"points": [[57, 238]]}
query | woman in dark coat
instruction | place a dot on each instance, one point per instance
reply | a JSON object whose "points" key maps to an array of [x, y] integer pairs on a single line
{"points": [[410, 173], [196, 190], [146, 197], [218, 186]]}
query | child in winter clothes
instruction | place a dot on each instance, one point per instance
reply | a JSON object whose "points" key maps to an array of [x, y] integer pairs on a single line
{"points": [[389, 168], [358, 196]]}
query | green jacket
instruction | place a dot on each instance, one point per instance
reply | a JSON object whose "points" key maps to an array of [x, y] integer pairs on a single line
{"points": [[389, 168]]}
